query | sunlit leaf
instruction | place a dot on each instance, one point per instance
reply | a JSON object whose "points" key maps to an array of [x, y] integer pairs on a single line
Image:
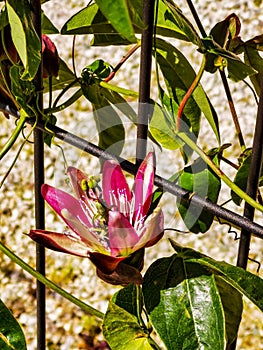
{"points": [[11, 334], [24, 36], [182, 23], [184, 305], [162, 127], [122, 330], [47, 26], [116, 11], [243, 281]]}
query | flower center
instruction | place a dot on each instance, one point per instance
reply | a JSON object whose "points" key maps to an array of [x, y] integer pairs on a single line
{"points": [[121, 203]]}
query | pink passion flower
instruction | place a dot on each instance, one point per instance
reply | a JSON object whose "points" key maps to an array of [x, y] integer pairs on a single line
{"points": [[109, 225]]}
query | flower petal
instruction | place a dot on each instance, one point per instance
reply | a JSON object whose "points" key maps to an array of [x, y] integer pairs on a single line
{"points": [[122, 235], [70, 210], [60, 242], [105, 263], [143, 185], [116, 191], [153, 230]]}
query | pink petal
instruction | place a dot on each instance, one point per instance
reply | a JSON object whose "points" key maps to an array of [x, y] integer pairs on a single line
{"points": [[105, 263], [122, 235], [143, 185], [153, 230], [70, 210], [60, 242], [114, 184]]}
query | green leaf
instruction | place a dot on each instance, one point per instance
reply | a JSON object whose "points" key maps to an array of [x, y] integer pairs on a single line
{"points": [[109, 125], [179, 76], [233, 306], [182, 23], [253, 59], [22, 90], [242, 175], [24, 36], [122, 331], [11, 334], [47, 26], [116, 11], [64, 78], [184, 305], [198, 178], [167, 24], [237, 70], [90, 20], [162, 126], [130, 299], [243, 281]]}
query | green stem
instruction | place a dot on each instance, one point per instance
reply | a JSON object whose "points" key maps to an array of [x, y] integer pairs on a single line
{"points": [[87, 308], [14, 136], [219, 172], [65, 104]]}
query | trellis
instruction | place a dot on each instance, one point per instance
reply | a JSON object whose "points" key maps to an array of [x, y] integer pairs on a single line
{"points": [[245, 222]]}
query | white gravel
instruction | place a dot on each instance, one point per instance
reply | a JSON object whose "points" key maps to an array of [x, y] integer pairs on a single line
{"points": [[65, 321]]}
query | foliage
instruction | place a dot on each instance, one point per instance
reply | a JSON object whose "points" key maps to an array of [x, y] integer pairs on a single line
{"points": [[190, 300]]}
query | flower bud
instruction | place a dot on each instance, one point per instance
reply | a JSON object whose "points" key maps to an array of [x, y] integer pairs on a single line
{"points": [[50, 57]]}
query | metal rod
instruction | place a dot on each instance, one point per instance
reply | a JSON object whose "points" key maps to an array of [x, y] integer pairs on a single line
{"points": [[251, 190], [252, 184], [166, 185], [39, 201], [144, 112]]}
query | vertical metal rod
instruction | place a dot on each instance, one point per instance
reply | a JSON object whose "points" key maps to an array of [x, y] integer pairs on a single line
{"points": [[144, 110], [39, 201], [252, 189], [252, 183]]}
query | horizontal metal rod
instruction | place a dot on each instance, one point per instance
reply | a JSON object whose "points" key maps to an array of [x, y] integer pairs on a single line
{"points": [[166, 185]]}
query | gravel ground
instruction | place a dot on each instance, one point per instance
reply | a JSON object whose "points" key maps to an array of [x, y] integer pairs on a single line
{"points": [[67, 326]]}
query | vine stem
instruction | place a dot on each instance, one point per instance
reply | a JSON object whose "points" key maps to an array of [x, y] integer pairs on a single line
{"points": [[189, 93], [12, 139], [233, 110], [122, 61], [87, 308]]}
